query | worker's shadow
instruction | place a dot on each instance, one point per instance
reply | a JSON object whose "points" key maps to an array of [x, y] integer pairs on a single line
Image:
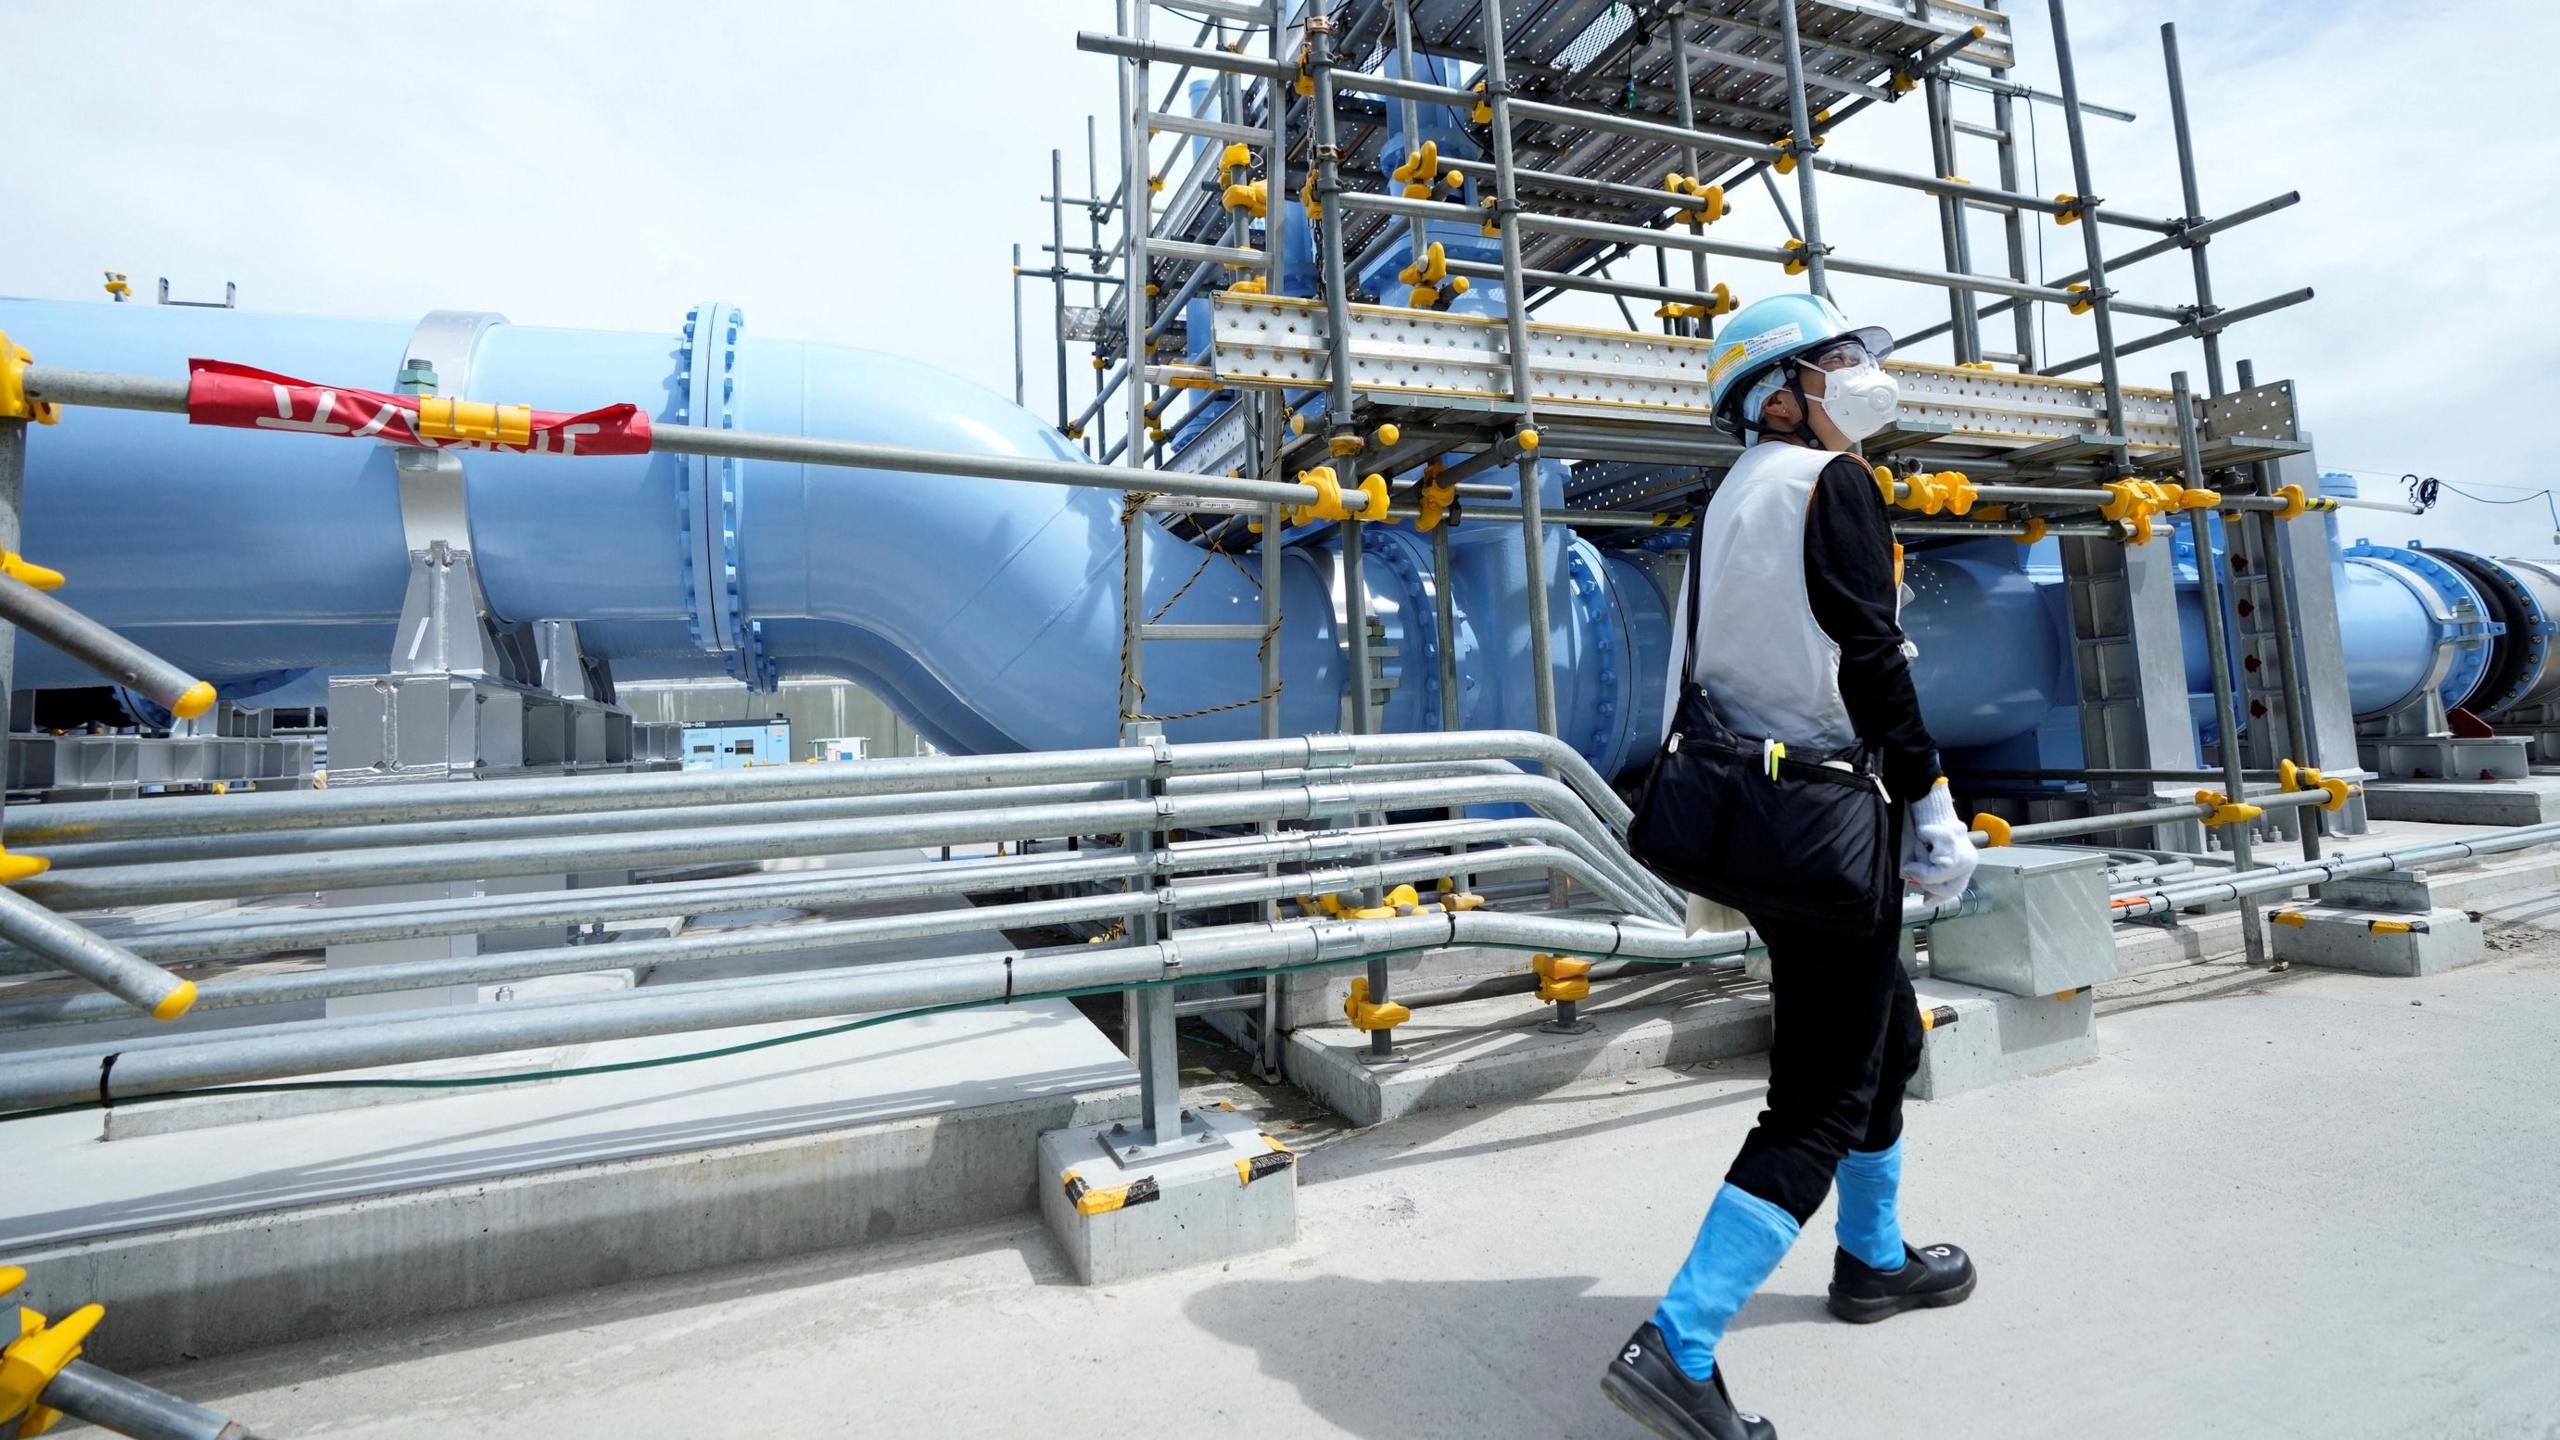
{"points": [[1391, 1359]]}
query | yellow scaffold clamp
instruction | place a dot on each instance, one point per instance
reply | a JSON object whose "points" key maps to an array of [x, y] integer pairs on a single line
{"points": [[1329, 505], [1438, 498], [1307, 197], [1234, 163], [2302, 777], [1948, 491], [39, 1353], [1373, 488], [2080, 306], [1710, 207], [118, 285], [1328, 502], [2134, 502], [1420, 172], [1795, 262], [1995, 831], [1253, 197], [1433, 285], [2226, 811], [1786, 147], [14, 404], [1366, 1015], [2069, 214], [2030, 530], [1719, 301], [1561, 977], [1402, 900]]}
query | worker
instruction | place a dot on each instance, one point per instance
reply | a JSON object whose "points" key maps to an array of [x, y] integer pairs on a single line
{"points": [[1799, 640]]}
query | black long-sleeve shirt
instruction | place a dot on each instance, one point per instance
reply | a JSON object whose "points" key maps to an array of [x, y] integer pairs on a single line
{"points": [[1850, 580]]}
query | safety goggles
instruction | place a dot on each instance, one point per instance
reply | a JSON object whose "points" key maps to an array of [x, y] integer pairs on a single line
{"points": [[1838, 355]]}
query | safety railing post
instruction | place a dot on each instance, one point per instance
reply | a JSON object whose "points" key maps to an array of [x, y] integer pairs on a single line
{"points": [[2226, 710], [2101, 299], [1533, 534], [1803, 143], [1148, 1012], [2193, 195], [2286, 633]]}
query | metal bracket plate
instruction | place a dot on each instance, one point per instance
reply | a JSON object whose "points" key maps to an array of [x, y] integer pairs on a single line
{"points": [[2263, 412]]}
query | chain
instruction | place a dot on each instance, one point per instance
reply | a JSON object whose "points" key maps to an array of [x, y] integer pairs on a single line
{"points": [[1135, 693]]}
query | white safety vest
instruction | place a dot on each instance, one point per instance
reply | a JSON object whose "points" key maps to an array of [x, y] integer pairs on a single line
{"points": [[1757, 650]]}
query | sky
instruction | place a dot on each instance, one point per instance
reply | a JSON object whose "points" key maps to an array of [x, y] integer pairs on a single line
{"points": [[856, 171]]}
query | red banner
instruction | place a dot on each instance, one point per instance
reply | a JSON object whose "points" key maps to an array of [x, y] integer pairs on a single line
{"points": [[221, 393]]}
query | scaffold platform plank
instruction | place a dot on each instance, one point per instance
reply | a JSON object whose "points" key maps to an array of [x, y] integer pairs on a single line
{"points": [[1400, 356]]}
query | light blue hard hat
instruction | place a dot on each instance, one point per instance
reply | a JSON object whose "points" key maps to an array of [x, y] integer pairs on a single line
{"points": [[1763, 335]]}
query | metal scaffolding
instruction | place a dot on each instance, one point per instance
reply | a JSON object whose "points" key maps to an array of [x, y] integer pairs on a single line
{"points": [[1599, 130]]}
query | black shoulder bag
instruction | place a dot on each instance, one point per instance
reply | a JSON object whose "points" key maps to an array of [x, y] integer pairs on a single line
{"points": [[1772, 832]]}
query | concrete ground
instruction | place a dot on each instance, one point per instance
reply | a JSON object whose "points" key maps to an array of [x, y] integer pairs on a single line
{"points": [[2305, 1204]]}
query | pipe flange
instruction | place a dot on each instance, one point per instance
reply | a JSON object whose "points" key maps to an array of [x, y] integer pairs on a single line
{"points": [[2457, 609], [1591, 597], [753, 664], [1399, 560], [708, 487], [2526, 619]]}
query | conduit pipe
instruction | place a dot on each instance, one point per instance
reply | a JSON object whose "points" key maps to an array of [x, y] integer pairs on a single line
{"points": [[506, 829], [724, 945], [2189, 810], [229, 936], [131, 982], [72, 1076], [285, 809], [2308, 873], [268, 875]]}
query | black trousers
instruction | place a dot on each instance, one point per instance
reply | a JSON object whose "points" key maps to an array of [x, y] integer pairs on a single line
{"points": [[1848, 1041]]}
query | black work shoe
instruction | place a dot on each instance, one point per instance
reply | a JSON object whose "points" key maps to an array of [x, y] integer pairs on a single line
{"points": [[1648, 1384], [1862, 1294]]}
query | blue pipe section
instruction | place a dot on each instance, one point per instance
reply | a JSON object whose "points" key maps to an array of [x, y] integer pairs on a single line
{"points": [[985, 611]]}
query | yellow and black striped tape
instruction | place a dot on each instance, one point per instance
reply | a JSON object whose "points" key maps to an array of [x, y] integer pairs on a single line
{"points": [[1092, 1199]]}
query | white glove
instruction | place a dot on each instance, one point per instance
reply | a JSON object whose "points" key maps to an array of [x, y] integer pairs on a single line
{"points": [[1937, 848]]}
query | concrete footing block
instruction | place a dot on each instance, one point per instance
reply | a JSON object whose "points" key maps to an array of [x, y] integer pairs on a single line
{"points": [[1486, 1051], [2379, 942], [2533, 800], [1234, 1194], [1315, 997], [1980, 1037]]}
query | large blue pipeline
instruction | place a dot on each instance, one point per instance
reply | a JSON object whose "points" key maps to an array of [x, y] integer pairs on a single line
{"points": [[985, 611]]}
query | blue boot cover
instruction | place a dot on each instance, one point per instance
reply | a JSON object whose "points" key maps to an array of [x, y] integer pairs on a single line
{"points": [[1742, 1240], [1870, 1226]]}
